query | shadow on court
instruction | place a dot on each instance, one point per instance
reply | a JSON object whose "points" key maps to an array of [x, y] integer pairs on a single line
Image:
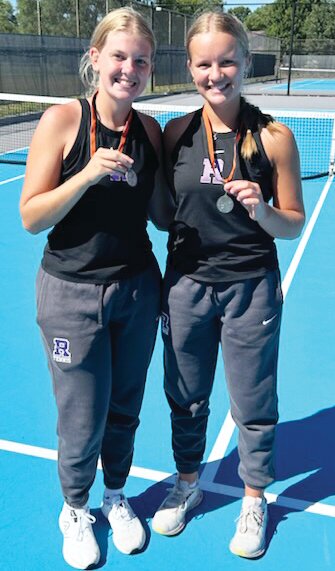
{"points": [[303, 446], [303, 449]]}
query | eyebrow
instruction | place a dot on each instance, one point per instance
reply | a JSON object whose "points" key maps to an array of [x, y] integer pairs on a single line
{"points": [[120, 52]]}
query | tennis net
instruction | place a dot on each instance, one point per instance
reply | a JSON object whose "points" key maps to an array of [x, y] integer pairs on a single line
{"points": [[314, 131], [314, 74]]}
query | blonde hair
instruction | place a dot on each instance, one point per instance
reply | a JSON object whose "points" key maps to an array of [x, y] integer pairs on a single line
{"points": [[120, 20], [251, 118], [218, 22]]}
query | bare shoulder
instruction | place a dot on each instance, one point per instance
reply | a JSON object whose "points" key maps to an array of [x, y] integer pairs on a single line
{"points": [[62, 115], [59, 125], [175, 128], [152, 128]]}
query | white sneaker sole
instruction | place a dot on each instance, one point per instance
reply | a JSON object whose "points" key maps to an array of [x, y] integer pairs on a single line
{"points": [[127, 552], [245, 554], [74, 563]]}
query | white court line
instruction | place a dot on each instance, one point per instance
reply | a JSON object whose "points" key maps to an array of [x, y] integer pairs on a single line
{"points": [[227, 429], [305, 237], [50, 454], [157, 476], [222, 442], [11, 179], [219, 449], [13, 151]]}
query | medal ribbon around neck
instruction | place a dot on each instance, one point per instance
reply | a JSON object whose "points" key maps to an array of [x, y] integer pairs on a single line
{"points": [[210, 144], [131, 176], [93, 130]]}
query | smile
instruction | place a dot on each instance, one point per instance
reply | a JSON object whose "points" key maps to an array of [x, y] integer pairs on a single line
{"points": [[220, 88], [125, 82]]}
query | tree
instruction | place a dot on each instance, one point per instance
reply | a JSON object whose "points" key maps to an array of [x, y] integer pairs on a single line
{"points": [[313, 18], [191, 7], [319, 27], [7, 17], [260, 19], [59, 17], [241, 12]]}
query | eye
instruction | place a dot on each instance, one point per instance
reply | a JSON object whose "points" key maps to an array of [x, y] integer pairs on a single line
{"points": [[203, 65], [118, 57], [227, 63], [141, 62]]}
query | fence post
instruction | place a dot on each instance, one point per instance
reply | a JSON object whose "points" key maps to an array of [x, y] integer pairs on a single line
{"points": [[291, 47], [152, 79], [39, 24], [77, 19]]}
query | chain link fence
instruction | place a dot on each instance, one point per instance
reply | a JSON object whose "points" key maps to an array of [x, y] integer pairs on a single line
{"points": [[39, 63]]}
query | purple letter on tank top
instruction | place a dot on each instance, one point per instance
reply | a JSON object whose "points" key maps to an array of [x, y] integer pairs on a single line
{"points": [[208, 175]]}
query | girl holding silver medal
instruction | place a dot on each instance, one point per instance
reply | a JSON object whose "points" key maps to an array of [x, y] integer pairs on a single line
{"points": [[225, 163], [98, 289]]}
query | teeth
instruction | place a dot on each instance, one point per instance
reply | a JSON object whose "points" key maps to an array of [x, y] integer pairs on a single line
{"points": [[218, 88], [126, 82]]}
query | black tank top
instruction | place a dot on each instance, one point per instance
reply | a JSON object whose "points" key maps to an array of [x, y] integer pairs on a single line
{"points": [[203, 243], [104, 238]]}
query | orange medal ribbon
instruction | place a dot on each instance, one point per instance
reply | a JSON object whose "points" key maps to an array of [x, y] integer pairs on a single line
{"points": [[93, 129], [209, 135]]}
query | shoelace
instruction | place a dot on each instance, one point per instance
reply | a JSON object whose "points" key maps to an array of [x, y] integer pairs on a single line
{"points": [[82, 520], [253, 517], [176, 497], [120, 508]]}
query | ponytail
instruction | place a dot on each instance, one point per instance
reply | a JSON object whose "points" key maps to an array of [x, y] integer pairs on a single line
{"points": [[251, 119]]}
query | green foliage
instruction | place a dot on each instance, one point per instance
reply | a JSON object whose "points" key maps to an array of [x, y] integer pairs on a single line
{"points": [[7, 17], [313, 19], [191, 7], [59, 17], [241, 12], [320, 23], [260, 19]]}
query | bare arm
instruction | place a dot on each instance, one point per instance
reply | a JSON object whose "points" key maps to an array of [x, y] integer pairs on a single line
{"points": [[161, 207], [285, 219], [44, 201]]}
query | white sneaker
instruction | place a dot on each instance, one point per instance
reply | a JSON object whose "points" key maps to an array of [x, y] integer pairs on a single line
{"points": [[80, 549], [169, 519], [128, 532], [249, 539]]}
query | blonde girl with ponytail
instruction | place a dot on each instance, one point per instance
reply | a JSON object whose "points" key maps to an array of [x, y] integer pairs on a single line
{"points": [[234, 173]]}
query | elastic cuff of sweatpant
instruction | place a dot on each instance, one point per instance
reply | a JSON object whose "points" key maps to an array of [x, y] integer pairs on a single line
{"points": [[115, 484], [256, 488], [77, 505], [187, 469]]}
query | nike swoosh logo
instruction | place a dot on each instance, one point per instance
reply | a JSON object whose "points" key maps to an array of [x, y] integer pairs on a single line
{"points": [[266, 321]]}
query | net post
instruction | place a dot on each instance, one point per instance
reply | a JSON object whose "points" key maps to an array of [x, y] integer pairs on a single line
{"points": [[332, 153]]}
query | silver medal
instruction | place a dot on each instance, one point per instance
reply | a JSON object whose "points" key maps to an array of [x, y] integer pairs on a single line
{"points": [[225, 204], [131, 177]]}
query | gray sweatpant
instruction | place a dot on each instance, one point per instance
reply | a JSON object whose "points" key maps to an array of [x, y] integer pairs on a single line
{"points": [[99, 341], [245, 318]]}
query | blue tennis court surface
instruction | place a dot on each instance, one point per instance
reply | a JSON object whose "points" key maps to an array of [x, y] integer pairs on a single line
{"points": [[306, 84], [302, 500]]}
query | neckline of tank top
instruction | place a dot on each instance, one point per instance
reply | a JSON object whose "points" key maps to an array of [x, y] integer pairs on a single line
{"points": [[227, 135], [104, 128]]}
